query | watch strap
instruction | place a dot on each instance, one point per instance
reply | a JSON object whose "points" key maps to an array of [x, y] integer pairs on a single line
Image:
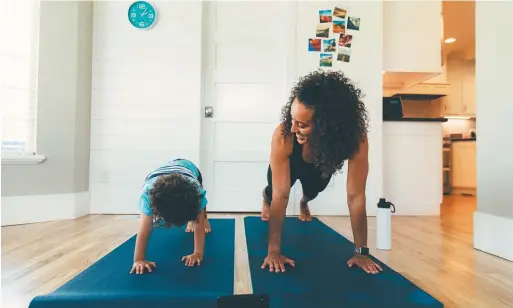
{"points": [[364, 251]]}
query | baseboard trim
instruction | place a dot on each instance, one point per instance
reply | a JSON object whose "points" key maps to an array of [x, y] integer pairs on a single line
{"points": [[491, 234], [42, 208]]}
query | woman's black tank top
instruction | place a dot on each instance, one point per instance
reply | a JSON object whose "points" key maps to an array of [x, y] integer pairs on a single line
{"points": [[298, 166]]}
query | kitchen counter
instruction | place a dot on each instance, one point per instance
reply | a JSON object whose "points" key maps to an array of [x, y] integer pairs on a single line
{"points": [[413, 166], [417, 120], [463, 139]]}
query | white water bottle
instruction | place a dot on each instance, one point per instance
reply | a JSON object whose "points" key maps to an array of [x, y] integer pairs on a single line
{"points": [[384, 225]]}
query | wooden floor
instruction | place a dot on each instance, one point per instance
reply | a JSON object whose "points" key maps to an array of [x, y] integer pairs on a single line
{"points": [[436, 253]]}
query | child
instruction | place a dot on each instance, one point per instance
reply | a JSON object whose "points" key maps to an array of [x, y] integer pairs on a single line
{"points": [[172, 195]]}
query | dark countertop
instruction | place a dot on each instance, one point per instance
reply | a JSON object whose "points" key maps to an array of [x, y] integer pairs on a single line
{"points": [[417, 120], [463, 139]]}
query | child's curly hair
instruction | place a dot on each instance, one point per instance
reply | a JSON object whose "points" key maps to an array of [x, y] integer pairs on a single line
{"points": [[339, 116], [175, 200]]}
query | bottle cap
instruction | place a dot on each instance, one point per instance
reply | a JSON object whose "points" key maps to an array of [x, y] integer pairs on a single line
{"points": [[383, 204]]}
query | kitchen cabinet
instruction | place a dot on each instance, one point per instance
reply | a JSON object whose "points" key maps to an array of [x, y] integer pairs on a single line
{"points": [[463, 163], [412, 42], [461, 96], [452, 102], [468, 89], [412, 166]]}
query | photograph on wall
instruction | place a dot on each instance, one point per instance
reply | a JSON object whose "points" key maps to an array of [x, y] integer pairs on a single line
{"points": [[353, 23], [339, 13], [329, 45], [323, 30], [339, 26], [345, 40], [325, 16], [314, 44], [326, 59], [344, 54]]}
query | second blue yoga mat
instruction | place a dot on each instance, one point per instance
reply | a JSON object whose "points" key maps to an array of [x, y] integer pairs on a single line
{"points": [[321, 277], [108, 282]]}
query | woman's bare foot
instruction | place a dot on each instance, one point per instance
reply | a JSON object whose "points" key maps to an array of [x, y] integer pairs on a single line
{"points": [[207, 226], [265, 210], [190, 227], [304, 212]]}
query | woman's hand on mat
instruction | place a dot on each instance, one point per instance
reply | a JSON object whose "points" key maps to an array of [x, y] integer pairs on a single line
{"points": [[140, 265], [276, 262], [191, 260], [365, 263]]}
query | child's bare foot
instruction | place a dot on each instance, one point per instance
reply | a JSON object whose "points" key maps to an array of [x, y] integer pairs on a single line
{"points": [[207, 226], [190, 227], [265, 210], [304, 212]]}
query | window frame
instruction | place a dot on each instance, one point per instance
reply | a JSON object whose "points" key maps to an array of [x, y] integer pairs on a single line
{"points": [[27, 157]]}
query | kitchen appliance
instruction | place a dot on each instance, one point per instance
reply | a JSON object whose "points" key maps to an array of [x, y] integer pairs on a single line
{"points": [[472, 133], [392, 108], [424, 91]]}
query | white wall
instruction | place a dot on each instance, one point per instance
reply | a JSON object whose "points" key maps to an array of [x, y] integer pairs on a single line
{"points": [[57, 188], [146, 93], [364, 69], [145, 98], [493, 221]]}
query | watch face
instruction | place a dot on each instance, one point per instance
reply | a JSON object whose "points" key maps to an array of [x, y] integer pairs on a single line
{"points": [[142, 15], [362, 250]]}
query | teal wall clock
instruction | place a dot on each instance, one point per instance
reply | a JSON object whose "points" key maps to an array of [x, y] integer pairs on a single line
{"points": [[142, 15]]}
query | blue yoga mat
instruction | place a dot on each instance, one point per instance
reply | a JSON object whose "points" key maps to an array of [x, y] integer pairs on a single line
{"points": [[108, 282], [321, 277]]}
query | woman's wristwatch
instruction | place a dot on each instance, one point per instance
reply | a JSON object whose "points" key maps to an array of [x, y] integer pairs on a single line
{"points": [[364, 251]]}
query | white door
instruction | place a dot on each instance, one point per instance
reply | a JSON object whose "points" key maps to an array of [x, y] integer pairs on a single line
{"points": [[248, 72]]}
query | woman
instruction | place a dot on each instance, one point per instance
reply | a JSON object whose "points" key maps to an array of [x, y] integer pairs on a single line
{"points": [[323, 125]]}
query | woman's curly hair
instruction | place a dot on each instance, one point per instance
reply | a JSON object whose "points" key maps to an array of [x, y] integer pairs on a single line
{"points": [[339, 117], [174, 200]]}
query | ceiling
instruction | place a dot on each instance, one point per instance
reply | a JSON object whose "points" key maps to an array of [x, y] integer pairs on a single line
{"points": [[459, 22]]}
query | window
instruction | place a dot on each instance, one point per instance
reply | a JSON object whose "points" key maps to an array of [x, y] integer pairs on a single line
{"points": [[20, 27]]}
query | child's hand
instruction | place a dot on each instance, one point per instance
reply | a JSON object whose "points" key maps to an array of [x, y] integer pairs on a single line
{"points": [[140, 265], [191, 260]]}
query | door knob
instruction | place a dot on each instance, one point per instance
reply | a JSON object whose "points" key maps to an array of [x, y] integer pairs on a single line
{"points": [[209, 111]]}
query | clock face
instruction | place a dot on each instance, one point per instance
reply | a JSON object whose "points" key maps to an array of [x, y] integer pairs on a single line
{"points": [[142, 15]]}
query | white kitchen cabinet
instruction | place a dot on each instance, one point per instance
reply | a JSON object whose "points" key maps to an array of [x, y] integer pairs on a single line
{"points": [[412, 42], [461, 94], [464, 165], [412, 166], [468, 89], [452, 102], [468, 100]]}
